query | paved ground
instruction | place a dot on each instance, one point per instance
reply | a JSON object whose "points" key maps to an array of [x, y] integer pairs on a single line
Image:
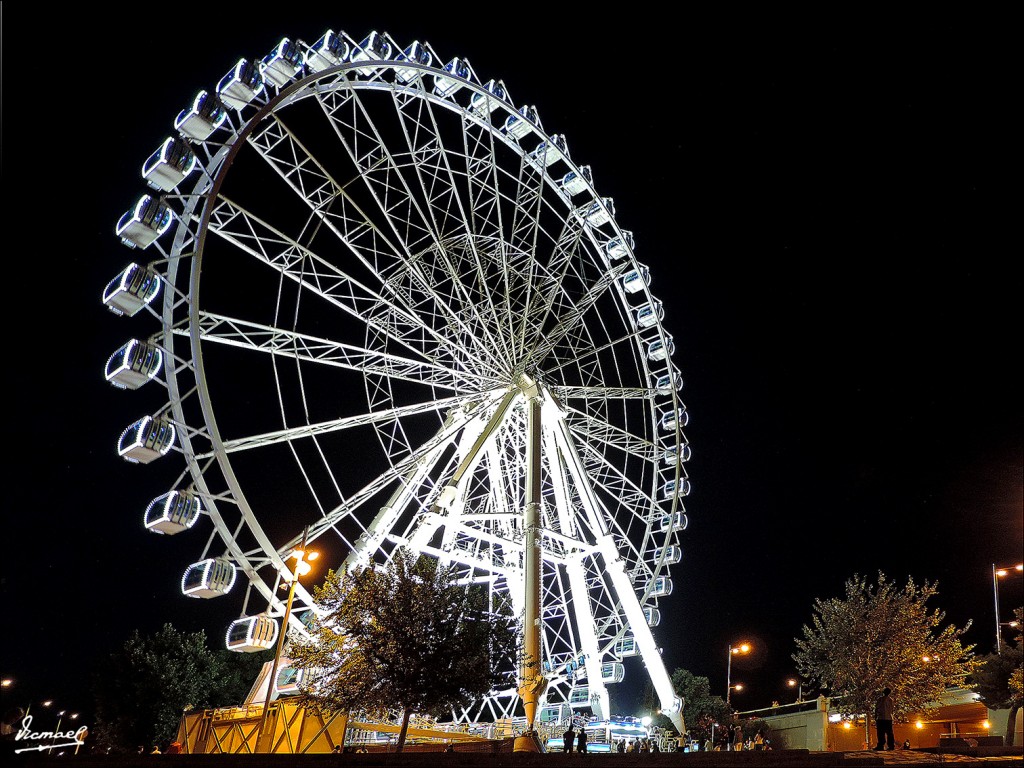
{"points": [[1001, 758]]}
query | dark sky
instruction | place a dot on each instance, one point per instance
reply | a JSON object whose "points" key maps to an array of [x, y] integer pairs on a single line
{"points": [[824, 209]]}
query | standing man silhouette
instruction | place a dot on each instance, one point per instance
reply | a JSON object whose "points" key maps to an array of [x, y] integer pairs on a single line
{"points": [[883, 722], [567, 739]]}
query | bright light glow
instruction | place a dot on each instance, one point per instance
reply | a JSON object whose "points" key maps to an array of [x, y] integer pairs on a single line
{"points": [[302, 568], [738, 687], [743, 648], [48, 702], [919, 724], [312, 555], [645, 721], [986, 725], [7, 682], [846, 725]]}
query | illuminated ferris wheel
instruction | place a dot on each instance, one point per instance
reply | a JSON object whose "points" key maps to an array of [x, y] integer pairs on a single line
{"points": [[393, 311]]}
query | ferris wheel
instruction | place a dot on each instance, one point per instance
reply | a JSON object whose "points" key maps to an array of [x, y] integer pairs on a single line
{"points": [[394, 312]]}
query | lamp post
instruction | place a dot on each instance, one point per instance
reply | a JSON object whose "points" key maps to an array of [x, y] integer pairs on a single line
{"points": [[741, 648], [799, 685], [302, 567], [996, 574]]}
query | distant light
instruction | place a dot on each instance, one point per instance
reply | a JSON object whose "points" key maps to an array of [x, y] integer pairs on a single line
{"points": [[846, 725], [7, 682], [645, 721], [919, 725], [986, 725]]}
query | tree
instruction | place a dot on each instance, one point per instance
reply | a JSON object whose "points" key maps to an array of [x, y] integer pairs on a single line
{"points": [[881, 636], [701, 710], [143, 688], [404, 638], [1000, 681]]}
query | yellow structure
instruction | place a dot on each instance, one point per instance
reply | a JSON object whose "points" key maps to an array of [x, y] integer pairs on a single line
{"points": [[293, 729]]}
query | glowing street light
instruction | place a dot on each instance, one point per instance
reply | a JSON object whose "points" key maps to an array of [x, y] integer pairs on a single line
{"points": [[741, 648], [998, 573], [302, 567], [799, 685]]}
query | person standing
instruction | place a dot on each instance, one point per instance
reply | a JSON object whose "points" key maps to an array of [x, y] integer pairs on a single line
{"points": [[581, 741], [568, 738], [883, 721], [737, 738]]}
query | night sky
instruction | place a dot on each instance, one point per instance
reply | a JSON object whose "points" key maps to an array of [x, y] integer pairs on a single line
{"points": [[824, 208]]}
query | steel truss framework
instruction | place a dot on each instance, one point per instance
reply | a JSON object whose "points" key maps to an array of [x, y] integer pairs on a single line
{"points": [[355, 321]]}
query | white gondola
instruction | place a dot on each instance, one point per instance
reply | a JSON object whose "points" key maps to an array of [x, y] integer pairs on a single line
{"points": [[649, 314], [619, 247], [579, 696], [283, 64], [668, 458], [416, 53], [598, 212], [668, 490], [483, 104], [626, 646], [652, 615], [660, 350], [251, 634], [131, 290], [613, 672], [662, 587], [673, 554], [173, 512], [373, 48], [521, 124], [329, 51], [664, 383], [209, 578], [635, 280], [573, 183], [549, 152], [134, 364], [459, 72], [676, 522], [169, 165], [674, 417], [204, 117], [241, 85], [146, 440], [289, 679], [141, 225]]}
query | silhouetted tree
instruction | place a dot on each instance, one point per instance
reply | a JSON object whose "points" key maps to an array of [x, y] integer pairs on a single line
{"points": [[1000, 680], [881, 636], [144, 687], [407, 637]]}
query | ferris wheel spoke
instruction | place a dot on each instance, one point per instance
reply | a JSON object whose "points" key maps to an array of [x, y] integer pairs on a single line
{"points": [[253, 236], [439, 188], [312, 430], [411, 218], [425, 453], [351, 223], [256, 337], [571, 316]]}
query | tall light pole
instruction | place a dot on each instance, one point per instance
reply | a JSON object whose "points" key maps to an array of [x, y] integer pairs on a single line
{"points": [[799, 685], [996, 574], [741, 648], [302, 567]]}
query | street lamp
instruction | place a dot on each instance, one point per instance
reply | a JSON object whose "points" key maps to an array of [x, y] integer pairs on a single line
{"points": [[302, 567], [997, 573], [741, 648], [799, 685]]}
